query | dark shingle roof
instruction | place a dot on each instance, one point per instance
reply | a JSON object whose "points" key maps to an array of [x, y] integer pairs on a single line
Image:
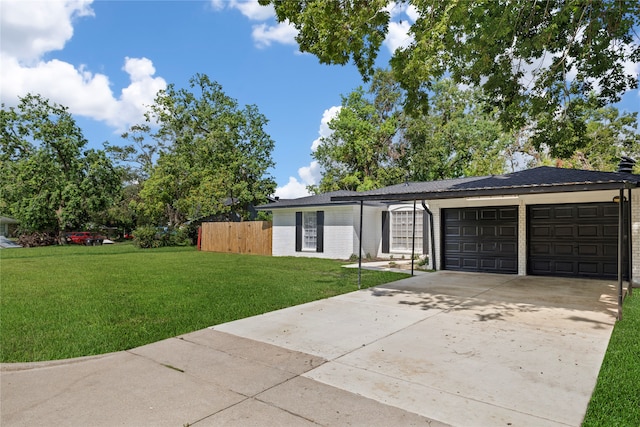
{"points": [[543, 179], [315, 200]]}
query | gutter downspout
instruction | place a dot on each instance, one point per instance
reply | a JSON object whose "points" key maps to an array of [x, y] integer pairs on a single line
{"points": [[432, 253]]}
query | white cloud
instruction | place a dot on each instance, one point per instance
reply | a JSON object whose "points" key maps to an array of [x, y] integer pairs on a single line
{"points": [[402, 16], [324, 130], [309, 175], [253, 10], [398, 36], [86, 94], [264, 35], [292, 190], [29, 29]]}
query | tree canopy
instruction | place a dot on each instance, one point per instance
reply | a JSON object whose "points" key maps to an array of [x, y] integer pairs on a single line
{"points": [[374, 143], [213, 157], [362, 151], [541, 63], [49, 180]]}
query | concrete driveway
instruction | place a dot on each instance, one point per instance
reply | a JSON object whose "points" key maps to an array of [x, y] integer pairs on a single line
{"points": [[436, 349]]}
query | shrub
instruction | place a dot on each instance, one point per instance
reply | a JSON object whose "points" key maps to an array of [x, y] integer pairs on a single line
{"points": [[146, 237]]}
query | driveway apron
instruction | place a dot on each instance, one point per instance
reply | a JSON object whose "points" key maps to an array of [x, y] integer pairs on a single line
{"points": [[464, 349], [437, 349]]}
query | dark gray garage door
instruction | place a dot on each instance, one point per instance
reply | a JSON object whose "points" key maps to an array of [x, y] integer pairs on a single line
{"points": [[481, 239], [574, 240]]}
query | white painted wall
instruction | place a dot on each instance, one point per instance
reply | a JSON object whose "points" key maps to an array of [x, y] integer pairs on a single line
{"points": [[341, 227]]}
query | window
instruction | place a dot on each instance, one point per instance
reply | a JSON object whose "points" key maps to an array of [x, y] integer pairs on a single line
{"points": [[397, 231], [309, 231]]}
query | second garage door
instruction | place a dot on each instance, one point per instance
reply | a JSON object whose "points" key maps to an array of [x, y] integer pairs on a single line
{"points": [[481, 239], [573, 240]]}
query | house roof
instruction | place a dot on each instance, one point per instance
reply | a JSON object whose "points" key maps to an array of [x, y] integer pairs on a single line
{"points": [[538, 180], [7, 220], [324, 199]]}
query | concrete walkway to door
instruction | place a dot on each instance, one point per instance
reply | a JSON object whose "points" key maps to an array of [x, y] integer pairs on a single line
{"points": [[460, 348], [436, 349]]}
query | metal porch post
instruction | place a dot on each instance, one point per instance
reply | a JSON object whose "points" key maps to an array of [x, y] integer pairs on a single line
{"points": [[413, 237], [360, 248], [620, 250]]}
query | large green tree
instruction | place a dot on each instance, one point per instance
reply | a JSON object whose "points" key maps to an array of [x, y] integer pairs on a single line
{"points": [[362, 151], [213, 156], [49, 180], [538, 62], [609, 136], [458, 136], [373, 143]]}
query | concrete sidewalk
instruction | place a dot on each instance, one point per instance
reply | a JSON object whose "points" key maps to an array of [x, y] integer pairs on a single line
{"points": [[436, 349]]}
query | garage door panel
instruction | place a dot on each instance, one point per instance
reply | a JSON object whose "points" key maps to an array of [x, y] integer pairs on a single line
{"points": [[481, 239], [470, 231], [563, 212], [576, 240], [610, 231], [540, 248], [471, 247], [541, 231], [539, 212], [563, 231], [590, 230], [468, 215], [508, 231]]}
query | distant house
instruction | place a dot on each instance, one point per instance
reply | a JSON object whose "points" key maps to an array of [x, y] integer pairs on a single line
{"points": [[8, 226], [541, 221]]}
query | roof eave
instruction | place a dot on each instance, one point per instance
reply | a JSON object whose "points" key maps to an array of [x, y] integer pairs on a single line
{"points": [[481, 192]]}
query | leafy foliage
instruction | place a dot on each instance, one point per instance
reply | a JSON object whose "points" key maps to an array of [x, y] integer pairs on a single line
{"points": [[457, 137], [213, 157], [540, 63], [49, 181], [374, 143], [147, 237], [362, 151]]}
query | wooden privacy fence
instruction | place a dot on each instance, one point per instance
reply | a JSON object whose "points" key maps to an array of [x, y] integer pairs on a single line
{"points": [[250, 237]]}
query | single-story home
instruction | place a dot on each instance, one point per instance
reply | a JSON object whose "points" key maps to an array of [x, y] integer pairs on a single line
{"points": [[541, 221], [8, 226]]}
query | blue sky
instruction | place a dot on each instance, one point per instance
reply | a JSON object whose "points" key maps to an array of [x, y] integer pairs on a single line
{"points": [[106, 60]]}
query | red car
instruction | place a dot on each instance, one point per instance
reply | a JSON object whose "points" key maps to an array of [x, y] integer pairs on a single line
{"points": [[84, 238]]}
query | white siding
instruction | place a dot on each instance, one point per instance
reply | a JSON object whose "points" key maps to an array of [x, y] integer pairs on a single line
{"points": [[338, 232], [371, 230]]}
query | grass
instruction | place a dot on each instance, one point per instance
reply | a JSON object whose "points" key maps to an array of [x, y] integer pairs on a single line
{"points": [[70, 301], [616, 397]]}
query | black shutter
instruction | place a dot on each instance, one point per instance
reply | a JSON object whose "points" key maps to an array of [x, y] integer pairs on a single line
{"points": [[320, 231], [386, 232], [425, 232], [298, 231]]}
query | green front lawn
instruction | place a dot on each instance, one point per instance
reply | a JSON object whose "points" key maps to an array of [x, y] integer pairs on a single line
{"points": [[616, 398], [69, 301]]}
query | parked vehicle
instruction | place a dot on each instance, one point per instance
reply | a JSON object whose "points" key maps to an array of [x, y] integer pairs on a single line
{"points": [[85, 238]]}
